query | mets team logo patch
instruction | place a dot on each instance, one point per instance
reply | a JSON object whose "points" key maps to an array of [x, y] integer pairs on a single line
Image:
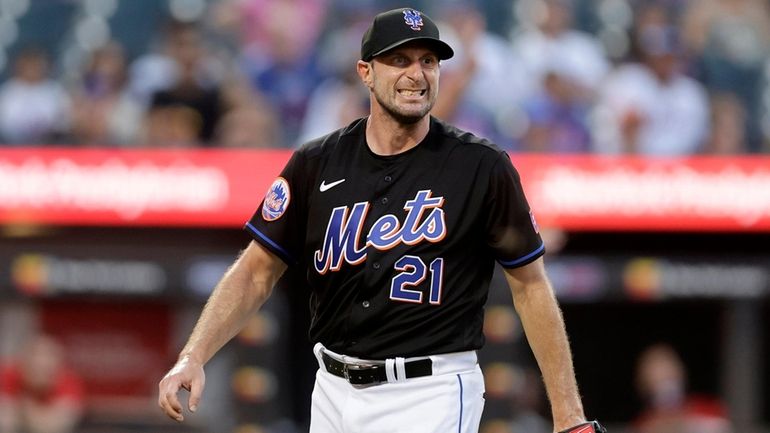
{"points": [[276, 200], [413, 19]]}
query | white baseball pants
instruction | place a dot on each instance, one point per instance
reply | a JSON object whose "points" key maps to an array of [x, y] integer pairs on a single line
{"points": [[449, 401]]}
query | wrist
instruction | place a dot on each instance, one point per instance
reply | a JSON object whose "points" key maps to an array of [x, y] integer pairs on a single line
{"points": [[567, 417], [189, 358], [566, 425], [586, 427]]}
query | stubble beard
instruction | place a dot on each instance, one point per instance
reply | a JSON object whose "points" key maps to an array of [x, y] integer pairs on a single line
{"points": [[399, 115]]}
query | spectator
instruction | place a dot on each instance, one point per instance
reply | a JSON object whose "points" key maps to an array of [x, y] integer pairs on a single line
{"points": [[264, 22], [186, 113], [550, 39], [40, 394], [33, 108], [652, 108], [249, 122], [483, 87], [661, 382], [730, 40], [339, 99], [558, 116], [279, 60], [158, 69], [103, 111]]}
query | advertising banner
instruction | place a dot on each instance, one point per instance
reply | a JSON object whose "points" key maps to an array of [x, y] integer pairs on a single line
{"points": [[183, 188], [222, 188], [648, 194]]}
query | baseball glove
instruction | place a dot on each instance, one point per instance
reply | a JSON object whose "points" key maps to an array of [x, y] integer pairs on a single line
{"points": [[586, 427]]}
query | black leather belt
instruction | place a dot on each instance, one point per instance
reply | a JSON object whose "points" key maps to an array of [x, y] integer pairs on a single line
{"points": [[368, 374]]}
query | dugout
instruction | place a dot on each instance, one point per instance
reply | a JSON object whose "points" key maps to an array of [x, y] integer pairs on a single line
{"points": [[709, 301]]}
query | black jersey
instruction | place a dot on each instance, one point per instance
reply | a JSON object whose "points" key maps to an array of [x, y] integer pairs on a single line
{"points": [[399, 250]]}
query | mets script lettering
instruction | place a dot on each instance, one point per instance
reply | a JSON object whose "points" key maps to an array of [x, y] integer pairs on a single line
{"points": [[342, 242]]}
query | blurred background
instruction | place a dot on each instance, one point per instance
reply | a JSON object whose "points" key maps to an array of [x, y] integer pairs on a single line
{"points": [[137, 137]]}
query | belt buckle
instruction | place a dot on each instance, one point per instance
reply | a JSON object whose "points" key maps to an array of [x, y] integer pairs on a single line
{"points": [[346, 369]]}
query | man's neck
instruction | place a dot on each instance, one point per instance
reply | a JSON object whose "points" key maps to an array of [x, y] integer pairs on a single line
{"points": [[386, 136]]}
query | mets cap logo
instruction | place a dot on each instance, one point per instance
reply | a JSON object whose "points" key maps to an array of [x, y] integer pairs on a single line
{"points": [[276, 200], [413, 19]]}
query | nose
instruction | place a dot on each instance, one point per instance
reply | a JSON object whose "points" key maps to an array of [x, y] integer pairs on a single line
{"points": [[414, 71]]}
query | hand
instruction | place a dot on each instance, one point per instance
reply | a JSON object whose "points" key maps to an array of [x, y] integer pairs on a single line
{"points": [[187, 374]]}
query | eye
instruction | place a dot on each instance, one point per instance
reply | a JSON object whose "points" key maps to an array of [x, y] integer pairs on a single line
{"points": [[399, 60], [430, 61]]}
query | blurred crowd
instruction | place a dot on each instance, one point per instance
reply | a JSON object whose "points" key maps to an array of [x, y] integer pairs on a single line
{"points": [[39, 392], [650, 77]]}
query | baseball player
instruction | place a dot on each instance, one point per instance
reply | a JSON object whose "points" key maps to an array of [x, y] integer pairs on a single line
{"points": [[398, 219]]}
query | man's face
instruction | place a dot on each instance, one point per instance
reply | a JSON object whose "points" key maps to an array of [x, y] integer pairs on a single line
{"points": [[403, 81]]}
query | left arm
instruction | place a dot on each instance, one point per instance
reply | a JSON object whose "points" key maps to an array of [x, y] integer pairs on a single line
{"points": [[543, 324]]}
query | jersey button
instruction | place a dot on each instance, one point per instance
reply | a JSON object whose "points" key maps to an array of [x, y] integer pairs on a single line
{"points": [[384, 200], [388, 178], [376, 265], [365, 304]]}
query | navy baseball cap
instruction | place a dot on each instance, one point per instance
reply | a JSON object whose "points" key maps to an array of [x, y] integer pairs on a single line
{"points": [[399, 26]]}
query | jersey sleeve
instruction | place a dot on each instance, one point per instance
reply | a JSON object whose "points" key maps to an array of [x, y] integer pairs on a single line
{"points": [[511, 230], [278, 223]]}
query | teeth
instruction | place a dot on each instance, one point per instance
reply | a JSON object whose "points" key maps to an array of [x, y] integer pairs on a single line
{"points": [[406, 92]]}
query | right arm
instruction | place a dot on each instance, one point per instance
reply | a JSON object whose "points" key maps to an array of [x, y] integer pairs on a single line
{"points": [[241, 291]]}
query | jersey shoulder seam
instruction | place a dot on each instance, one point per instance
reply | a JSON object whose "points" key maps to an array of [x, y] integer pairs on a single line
{"points": [[464, 137]]}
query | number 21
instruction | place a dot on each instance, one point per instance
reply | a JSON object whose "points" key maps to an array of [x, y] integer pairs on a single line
{"points": [[413, 273]]}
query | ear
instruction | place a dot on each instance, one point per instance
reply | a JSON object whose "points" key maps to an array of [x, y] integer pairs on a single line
{"points": [[364, 70]]}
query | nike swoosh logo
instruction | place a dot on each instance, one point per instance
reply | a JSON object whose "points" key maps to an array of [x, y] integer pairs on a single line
{"points": [[327, 186]]}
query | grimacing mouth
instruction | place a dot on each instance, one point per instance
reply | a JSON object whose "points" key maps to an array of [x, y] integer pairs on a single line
{"points": [[412, 92]]}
